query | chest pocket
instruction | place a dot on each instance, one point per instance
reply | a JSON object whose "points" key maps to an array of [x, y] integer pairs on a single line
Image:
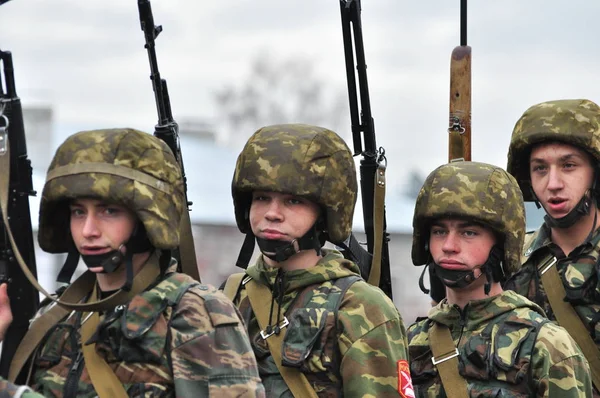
{"points": [[138, 332], [581, 281], [310, 342], [500, 358]]}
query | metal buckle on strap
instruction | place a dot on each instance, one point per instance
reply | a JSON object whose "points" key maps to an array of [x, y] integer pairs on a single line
{"points": [[445, 357], [545, 267], [246, 279], [281, 325]]}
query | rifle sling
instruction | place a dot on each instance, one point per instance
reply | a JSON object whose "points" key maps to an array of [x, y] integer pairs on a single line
{"points": [[108, 303], [105, 381], [232, 285], [260, 296], [567, 316], [378, 212], [76, 292], [445, 358], [187, 253]]}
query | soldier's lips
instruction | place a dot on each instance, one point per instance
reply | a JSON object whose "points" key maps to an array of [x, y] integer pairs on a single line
{"points": [[272, 234], [453, 265], [557, 206]]}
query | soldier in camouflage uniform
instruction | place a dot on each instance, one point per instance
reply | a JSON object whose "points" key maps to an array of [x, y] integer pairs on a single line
{"points": [[554, 155], [469, 225], [294, 188], [115, 198]]}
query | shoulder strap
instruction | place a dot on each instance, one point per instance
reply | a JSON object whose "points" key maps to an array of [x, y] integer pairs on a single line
{"points": [[232, 285], [568, 318], [105, 381], [260, 296], [445, 358]]}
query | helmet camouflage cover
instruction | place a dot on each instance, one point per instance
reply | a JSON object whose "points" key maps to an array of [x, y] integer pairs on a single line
{"points": [[302, 160], [574, 122], [123, 166], [474, 191]]}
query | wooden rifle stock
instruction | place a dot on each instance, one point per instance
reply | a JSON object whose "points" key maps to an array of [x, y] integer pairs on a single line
{"points": [[459, 127]]}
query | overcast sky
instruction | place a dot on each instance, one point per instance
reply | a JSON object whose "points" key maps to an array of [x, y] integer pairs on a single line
{"points": [[86, 58]]}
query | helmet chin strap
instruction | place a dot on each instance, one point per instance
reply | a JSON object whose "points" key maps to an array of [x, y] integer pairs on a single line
{"points": [[582, 208], [492, 268], [110, 261], [280, 250]]}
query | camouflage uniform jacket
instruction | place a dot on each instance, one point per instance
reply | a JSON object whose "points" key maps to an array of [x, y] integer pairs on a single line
{"points": [[353, 353], [507, 348], [177, 339], [579, 273]]}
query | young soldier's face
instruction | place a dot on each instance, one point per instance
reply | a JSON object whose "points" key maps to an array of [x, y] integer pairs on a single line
{"points": [[460, 245], [280, 216], [98, 227], [560, 176]]}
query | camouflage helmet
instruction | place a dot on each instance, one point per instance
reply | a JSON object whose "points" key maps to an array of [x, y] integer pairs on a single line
{"points": [[124, 166], [306, 161], [474, 191], [574, 122]]}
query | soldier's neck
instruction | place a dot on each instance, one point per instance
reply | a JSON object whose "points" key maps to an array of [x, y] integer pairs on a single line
{"points": [[301, 260], [462, 297], [569, 238]]}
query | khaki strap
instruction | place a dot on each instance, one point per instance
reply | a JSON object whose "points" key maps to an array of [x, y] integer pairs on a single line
{"points": [[108, 303], [445, 358], [187, 252], [112, 169], [567, 316], [378, 211], [260, 300], [76, 292], [232, 285], [104, 379]]}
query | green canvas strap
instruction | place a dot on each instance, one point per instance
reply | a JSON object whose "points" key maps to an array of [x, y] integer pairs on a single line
{"points": [[378, 221], [260, 300], [445, 359], [567, 317], [232, 285], [105, 381]]}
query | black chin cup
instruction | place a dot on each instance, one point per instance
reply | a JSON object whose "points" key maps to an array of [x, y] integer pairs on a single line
{"points": [[108, 261], [281, 250], [581, 209], [138, 243], [492, 268]]}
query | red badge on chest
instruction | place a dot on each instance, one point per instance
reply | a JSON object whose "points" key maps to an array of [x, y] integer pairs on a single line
{"points": [[405, 386]]}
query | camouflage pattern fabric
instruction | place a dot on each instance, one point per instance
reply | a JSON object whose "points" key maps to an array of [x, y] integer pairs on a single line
{"points": [[575, 122], [473, 191], [177, 339], [125, 166], [353, 354], [579, 274], [507, 348], [302, 160], [9, 390]]}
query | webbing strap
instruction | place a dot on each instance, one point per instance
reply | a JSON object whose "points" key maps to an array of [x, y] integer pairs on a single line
{"points": [[76, 292], [108, 303], [260, 297], [104, 379], [232, 285], [187, 252], [445, 358], [567, 316], [378, 211]]}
